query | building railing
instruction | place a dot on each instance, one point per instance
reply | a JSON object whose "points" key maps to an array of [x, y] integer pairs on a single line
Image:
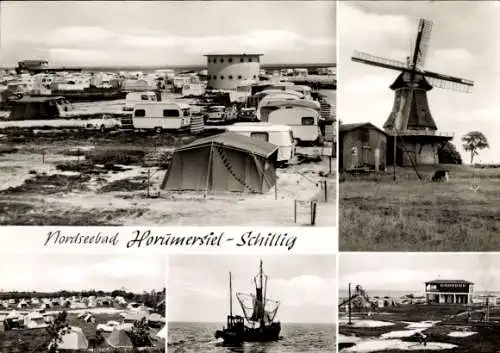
{"points": [[421, 133]]}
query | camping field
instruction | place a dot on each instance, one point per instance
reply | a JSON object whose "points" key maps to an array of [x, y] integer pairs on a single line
{"points": [[378, 214], [78, 177], [34, 340]]}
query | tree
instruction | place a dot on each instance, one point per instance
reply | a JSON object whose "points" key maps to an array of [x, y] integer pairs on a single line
{"points": [[448, 154], [474, 141]]}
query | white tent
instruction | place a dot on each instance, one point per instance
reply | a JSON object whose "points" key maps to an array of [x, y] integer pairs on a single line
{"points": [[22, 304], [163, 332], [34, 320], [73, 340]]}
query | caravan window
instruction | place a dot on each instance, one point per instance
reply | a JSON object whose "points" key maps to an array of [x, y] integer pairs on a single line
{"points": [[262, 136], [308, 120], [170, 113], [185, 112], [144, 97], [140, 113]]}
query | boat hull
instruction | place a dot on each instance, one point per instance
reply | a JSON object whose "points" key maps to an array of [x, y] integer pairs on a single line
{"points": [[266, 334]]}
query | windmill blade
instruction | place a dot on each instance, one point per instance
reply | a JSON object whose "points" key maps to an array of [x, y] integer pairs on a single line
{"points": [[423, 38], [449, 82], [378, 61]]}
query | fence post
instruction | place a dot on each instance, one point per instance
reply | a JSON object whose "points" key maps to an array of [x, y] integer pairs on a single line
{"points": [[326, 190], [294, 211], [149, 175], [313, 213]]}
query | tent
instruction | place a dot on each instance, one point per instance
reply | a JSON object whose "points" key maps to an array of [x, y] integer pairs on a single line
{"points": [[119, 339], [224, 162], [34, 320], [32, 108], [162, 333], [73, 340], [135, 316]]}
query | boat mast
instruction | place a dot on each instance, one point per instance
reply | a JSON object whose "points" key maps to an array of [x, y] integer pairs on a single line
{"points": [[230, 296]]}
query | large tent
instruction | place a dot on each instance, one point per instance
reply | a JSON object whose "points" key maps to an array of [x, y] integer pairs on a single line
{"points": [[224, 162], [73, 340], [119, 338]]}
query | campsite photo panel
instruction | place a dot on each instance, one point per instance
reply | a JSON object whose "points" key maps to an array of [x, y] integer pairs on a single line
{"points": [[233, 127], [80, 302]]}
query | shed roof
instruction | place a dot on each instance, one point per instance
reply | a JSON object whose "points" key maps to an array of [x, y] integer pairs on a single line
{"points": [[355, 126], [448, 281], [234, 141]]}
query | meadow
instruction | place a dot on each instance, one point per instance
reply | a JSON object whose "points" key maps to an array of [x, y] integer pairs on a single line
{"points": [[462, 214]]}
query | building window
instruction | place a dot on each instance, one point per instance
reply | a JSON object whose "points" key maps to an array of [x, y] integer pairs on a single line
{"points": [[230, 77], [249, 60], [239, 77], [254, 77], [241, 60], [139, 113], [222, 77], [221, 60], [230, 60]]}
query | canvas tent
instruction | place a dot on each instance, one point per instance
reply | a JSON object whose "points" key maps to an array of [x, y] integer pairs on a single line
{"points": [[162, 333], [224, 162], [33, 108], [73, 340], [119, 339]]}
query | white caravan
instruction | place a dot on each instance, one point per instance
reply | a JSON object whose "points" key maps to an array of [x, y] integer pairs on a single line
{"points": [[133, 98], [302, 120], [279, 135], [161, 116]]}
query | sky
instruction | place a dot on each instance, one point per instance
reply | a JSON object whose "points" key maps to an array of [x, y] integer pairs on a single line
{"points": [[79, 272], [198, 288], [463, 43], [409, 271], [148, 33]]}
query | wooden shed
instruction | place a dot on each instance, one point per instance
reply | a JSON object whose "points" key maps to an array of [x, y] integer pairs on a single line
{"points": [[362, 146]]}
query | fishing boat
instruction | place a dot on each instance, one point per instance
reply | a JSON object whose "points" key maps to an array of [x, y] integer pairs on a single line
{"points": [[258, 324]]}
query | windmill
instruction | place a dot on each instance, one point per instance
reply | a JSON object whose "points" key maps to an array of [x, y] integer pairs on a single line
{"points": [[411, 127]]}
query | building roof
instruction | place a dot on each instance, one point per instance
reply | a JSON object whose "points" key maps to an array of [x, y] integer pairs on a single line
{"points": [[448, 281], [352, 127], [234, 141], [233, 54]]}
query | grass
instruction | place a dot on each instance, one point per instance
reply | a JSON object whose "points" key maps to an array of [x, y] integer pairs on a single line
{"points": [[378, 214], [486, 340], [16, 212]]}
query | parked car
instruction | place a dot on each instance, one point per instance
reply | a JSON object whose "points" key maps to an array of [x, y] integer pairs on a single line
{"points": [[105, 123]]}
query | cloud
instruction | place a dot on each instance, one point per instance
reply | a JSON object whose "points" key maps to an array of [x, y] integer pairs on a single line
{"points": [[304, 290]]}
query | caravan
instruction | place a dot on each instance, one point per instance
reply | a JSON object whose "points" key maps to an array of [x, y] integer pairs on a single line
{"points": [[161, 116], [303, 121], [279, 135], [133, 98]]}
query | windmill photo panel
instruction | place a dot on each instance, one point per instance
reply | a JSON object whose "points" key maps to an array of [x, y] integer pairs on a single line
{"points": [[228, 303], [401, 302], [224, 114], [56, 302], [418, 132]]}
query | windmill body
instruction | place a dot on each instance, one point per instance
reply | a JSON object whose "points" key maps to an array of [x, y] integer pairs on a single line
{"points": [[410, 124]]}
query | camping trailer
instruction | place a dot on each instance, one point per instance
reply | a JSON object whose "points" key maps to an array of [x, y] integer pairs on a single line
{"points": [[279, 135], [303, 121], [161, 116], [133, 98]]}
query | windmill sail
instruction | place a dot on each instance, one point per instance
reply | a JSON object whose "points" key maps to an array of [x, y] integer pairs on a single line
{"points": [[424, 35]]}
